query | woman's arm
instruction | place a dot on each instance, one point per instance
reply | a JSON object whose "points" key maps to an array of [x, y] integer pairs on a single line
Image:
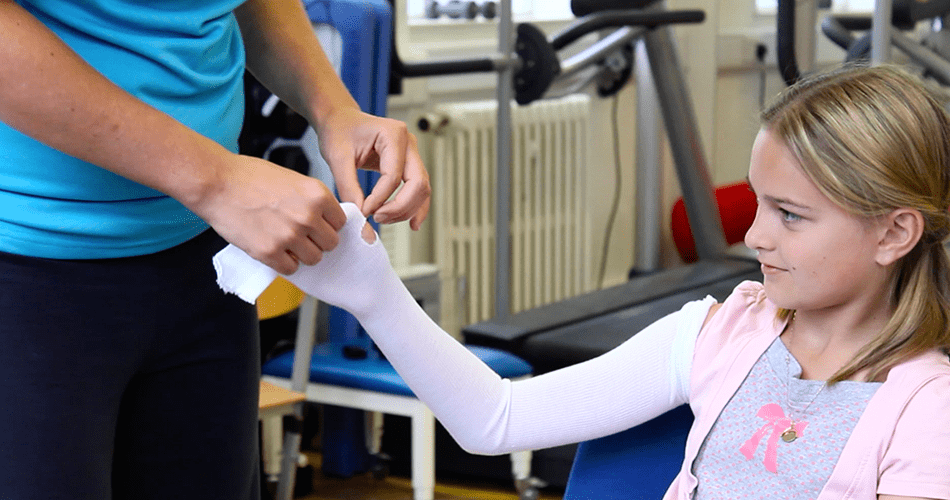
{"points": [[51, 94], [285, 55]]}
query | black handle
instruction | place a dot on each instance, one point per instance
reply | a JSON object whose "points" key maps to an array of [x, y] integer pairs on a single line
{"points": [[439, 68], [785, 34], [581, 8], [616, 19]]}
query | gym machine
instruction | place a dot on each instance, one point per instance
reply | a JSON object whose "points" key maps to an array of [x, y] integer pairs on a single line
{"points": [[529, 68], [583, 327], [867, 39]]}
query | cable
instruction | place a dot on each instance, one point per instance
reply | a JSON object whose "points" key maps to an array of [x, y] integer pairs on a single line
{"points": [[615, 205]]}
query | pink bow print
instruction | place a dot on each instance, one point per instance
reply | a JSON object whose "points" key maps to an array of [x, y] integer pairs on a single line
{"points": [[777, 422]]}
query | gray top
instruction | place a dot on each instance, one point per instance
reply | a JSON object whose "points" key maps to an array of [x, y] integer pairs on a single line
{"points": [[745, 455]]}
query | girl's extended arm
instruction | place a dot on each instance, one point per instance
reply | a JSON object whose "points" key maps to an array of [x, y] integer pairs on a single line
{"points": [[644, 377]]}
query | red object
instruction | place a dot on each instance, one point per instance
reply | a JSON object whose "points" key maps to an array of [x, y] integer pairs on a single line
{"points": [[737, 206]]}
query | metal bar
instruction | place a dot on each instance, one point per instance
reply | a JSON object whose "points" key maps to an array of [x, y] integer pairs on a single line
{"points": [[685, 141], [306, 330], [785, 41], [300, 377], [488, 64], [288, 463], [806, 14], [649, 191], [505, 93], [938, 66], [881, 32], [620, 18], [598, 51]]}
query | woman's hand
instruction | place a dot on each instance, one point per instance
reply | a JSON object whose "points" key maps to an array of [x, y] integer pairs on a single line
{"points": [[351, 139], [276, 215], [285, 55]]}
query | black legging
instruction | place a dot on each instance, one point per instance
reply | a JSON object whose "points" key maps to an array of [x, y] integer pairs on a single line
{"points": [[133, 378]]}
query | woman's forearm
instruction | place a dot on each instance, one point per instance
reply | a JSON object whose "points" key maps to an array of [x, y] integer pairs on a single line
{"points": [[49, 93], [285, 55]]}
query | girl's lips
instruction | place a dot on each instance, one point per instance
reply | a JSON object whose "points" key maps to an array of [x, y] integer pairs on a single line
{"points": [[767, 269]]}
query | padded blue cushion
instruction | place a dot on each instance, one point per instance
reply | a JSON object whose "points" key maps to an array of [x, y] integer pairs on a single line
{"points": [[374, 373], [639, 463]]}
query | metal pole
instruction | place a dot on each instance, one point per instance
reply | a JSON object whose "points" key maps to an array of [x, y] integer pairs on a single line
{"points": [[806, 15], [505, 93], [306, 329], [689, 158], [881, 32], [649, 192]]}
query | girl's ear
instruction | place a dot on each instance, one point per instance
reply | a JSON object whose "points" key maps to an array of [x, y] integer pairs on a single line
{"points": [[900, 231]]}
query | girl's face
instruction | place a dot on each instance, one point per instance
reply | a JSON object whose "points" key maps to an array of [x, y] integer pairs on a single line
{"points": [[814, 255]]}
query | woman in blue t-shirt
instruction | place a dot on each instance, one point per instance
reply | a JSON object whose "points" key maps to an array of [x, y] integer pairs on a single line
{"points": [[124, 371]]}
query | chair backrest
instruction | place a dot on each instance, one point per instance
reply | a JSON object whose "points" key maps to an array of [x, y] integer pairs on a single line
{"points": [[636, 464], [278, 299]]}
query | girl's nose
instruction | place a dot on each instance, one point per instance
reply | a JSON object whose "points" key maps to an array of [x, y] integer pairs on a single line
{"points": [[756, 237]]}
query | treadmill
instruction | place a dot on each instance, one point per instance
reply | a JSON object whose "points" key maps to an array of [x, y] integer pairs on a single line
{"points": [[583, 327]]}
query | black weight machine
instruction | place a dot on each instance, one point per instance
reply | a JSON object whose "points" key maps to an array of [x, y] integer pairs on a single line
{"points": [[867, 39], [583, 327]]}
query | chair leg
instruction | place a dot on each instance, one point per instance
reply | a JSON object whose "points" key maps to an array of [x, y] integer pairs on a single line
{"points": [[271, 441], [521, 464], [293, 425], [374, 432], [379, 465], [525, 485], [423, 454]]}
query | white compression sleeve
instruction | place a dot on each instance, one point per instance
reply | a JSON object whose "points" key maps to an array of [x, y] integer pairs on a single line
{"points": [[644, 377]]}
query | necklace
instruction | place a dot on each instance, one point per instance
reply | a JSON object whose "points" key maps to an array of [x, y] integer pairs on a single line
{"points": [[791, 434]]}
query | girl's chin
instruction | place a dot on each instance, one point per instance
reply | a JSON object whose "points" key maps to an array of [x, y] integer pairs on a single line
{"points": [[777, 295]]}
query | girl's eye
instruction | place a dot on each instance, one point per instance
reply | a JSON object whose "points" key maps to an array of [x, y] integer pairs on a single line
{"points": [[789, 216]]}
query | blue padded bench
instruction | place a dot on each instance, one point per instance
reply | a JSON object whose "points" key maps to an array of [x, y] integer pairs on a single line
{"points": [[361, 378], [374, 373]]}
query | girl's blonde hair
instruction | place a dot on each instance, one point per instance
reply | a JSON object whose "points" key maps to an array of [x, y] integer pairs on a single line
{"points": [[874, 140]]}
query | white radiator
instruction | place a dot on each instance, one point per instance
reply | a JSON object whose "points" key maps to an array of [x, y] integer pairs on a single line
{"points": [[550, 234]]}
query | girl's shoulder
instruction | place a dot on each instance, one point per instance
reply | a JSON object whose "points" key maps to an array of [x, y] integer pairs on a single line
{"points": [[931, 368], [746, 311], [916, 448], [742, 328]]}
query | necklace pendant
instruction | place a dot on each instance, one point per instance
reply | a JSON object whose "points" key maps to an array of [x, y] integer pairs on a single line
{"points": [[789, 435]]}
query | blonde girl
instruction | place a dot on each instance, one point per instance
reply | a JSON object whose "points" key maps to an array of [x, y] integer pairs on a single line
{"points": [[828, 380]]}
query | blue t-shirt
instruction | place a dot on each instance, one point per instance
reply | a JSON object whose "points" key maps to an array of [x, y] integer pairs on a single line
{"points": [[185, 58]]}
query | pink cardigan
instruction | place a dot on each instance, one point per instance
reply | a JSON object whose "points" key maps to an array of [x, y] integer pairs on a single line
{"points": [[743, 329]]}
